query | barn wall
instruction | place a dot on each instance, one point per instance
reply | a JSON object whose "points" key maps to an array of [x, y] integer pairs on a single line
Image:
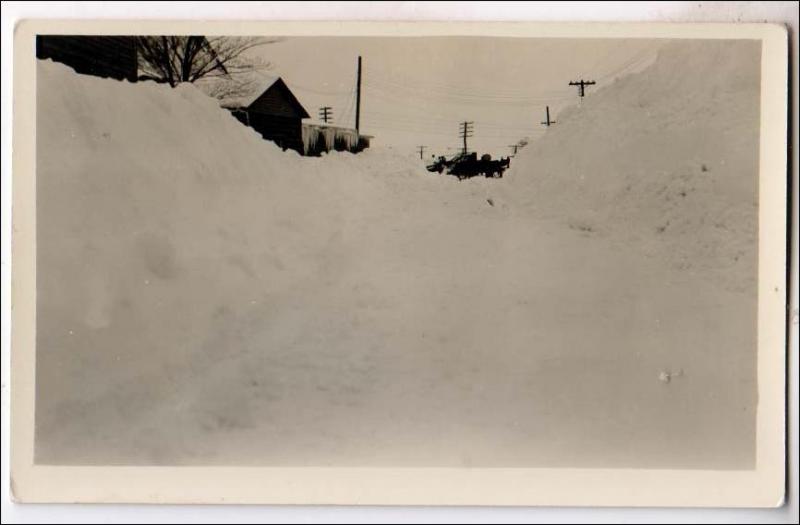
{"points": [[102, 56], [283, 131]]}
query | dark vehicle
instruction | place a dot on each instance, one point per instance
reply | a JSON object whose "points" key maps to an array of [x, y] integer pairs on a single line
{"points": [[441, 164], [465, 166]]}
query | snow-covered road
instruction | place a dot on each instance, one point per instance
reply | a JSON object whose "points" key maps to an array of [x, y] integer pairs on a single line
{"points": [[207, 299]]}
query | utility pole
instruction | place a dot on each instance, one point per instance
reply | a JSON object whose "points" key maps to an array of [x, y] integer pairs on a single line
{"points": [[548, 121], [421, 150], [581, 85], [515, 147], [465, 131], [326, 114], [358, 95]]}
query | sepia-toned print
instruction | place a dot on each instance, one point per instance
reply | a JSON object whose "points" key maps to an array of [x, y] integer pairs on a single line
{"points": [[396, 252]]}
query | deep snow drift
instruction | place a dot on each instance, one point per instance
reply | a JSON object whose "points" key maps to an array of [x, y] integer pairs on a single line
{"points": [[666, 158], [205, 298]]}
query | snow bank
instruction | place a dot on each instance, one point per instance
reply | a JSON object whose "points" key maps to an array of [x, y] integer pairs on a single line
{"points": [[667, 158], [205, 298], [164, 223]]}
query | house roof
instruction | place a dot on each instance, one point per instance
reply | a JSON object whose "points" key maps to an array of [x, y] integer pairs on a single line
{"points": [[245, 101], [273, 96]]}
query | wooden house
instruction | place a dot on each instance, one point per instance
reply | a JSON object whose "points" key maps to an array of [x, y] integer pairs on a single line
{"points": [[274, 112], [102, 56]]}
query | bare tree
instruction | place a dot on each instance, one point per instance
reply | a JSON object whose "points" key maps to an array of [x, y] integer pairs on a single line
{"points": [[176, 59], [230, 88]]}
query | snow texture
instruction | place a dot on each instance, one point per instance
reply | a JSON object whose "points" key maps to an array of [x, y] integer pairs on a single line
{"points": [[666, 158], [205, 298]]}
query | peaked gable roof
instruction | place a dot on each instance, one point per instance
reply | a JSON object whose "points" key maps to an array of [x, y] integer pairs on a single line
{"points": [[245, 101], [273, 98], [279, 100]]}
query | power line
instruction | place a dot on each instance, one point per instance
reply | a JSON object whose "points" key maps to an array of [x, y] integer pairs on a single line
{"points": [[389, 126], [637, 60], [440, 120], [298, 87], [450, 91], [397, 89], [464, 132], [582, 85], [348, 111], [326, 114], [358, 95], [547, 122], [390, 87], [442, 124], [395, 128], [404, 92]]}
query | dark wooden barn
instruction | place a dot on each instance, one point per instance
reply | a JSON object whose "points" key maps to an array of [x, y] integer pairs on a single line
{"points": [[274, 112], [102, 56]]}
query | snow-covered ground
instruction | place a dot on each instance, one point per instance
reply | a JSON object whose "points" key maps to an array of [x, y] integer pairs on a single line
{"points": [[205, 298]]}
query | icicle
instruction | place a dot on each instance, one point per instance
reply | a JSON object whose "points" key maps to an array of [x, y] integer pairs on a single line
{"points": [[312, 134], [310, 138], [330, 137]]}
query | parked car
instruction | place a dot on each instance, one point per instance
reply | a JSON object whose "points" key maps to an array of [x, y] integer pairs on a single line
{"points": [[468, 165]]}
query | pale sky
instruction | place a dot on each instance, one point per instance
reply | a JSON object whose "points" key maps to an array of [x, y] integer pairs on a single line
{"points": [[416, 91]]}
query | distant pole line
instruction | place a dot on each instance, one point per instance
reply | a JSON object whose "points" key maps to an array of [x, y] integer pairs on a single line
{"points": [[515, 147], [421, 150], [465, 130], [326, 114], [547, 122], [358, 95], [582, 85]]}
